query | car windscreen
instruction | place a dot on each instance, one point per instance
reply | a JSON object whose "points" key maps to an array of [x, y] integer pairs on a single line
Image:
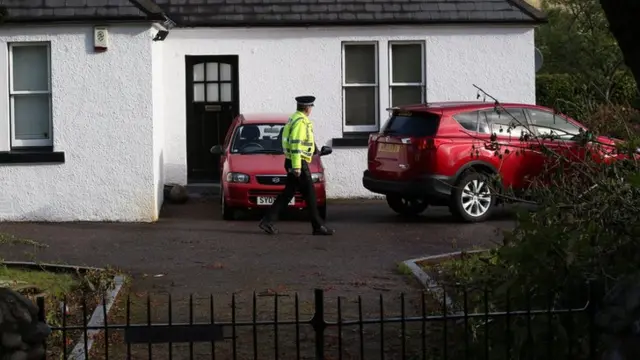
{"points": [[414, 124], [258, 139]]}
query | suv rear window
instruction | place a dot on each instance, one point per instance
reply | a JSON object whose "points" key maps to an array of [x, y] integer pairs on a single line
{"points": [[412, 124]]}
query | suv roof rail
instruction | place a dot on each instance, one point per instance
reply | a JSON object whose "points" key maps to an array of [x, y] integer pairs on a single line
{"points": [[393, 108]]}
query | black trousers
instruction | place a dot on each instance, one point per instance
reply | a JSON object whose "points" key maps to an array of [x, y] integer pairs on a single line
{"points": [[304, 184]]}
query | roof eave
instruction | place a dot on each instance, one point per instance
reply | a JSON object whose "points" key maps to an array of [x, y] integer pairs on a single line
{"points": [[338, 23], [78, 20], [530, 10]]}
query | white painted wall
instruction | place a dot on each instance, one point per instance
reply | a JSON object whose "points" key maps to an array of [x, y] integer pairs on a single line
{"points": [[102, 120], [278, 64], [157, 79]]}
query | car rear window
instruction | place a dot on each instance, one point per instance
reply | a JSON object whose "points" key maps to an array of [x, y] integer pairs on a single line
{"points": [[412, 124]]}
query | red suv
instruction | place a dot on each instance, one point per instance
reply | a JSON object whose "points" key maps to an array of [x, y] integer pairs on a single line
{"points": [[252, 166], [441, 154]]}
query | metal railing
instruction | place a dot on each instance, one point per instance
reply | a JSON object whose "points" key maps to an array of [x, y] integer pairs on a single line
{"points": [[467, 327]]}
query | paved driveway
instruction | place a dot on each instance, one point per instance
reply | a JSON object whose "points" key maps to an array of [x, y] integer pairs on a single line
{"points": [[195, 251]]}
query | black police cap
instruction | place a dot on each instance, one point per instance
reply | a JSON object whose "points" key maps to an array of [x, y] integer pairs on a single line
{"points": [[306, 100]]}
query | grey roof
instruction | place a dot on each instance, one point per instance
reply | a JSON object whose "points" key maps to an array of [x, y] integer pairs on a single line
{"points": [[72, 10], [193, 13], [346, 12]]}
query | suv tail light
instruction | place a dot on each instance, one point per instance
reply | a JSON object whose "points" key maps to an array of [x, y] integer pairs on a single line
{"points": [[429, 143]]}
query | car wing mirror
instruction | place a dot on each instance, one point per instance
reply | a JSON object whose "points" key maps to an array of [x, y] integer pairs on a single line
{"points": [[326, 150], [216, 150]]}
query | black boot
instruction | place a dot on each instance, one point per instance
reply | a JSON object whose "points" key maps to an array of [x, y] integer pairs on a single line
{"points": [[323, 230], [268, 227]]}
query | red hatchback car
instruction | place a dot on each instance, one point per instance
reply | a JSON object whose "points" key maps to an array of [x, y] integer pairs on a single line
{"points": [[252, 166], [442, 154]]}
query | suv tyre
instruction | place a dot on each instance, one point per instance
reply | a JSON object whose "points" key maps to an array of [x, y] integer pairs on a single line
{"points": [[406, 206], [472, 197]]}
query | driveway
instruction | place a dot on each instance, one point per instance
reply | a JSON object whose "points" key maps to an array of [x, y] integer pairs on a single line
{"points": [[191, 251], [195, 251]]}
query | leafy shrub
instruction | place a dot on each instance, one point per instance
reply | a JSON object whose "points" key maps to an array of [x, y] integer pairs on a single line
{"points": [[618, 121], [574, 96]]}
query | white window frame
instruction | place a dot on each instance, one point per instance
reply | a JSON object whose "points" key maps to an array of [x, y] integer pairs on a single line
{"points": [[17, 143], [423, 80], [361, 128]]}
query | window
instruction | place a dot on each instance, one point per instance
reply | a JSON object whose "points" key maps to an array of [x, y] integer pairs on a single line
{"points": [[507, 122], [258, 139], [468, 120], [550, 124], [360, 86], [406, 63], [412, 124], [30, 94], [212, 82]]}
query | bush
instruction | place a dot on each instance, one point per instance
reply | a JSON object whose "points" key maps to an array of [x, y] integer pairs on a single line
{"points": [[574, 96], [618, 121]]}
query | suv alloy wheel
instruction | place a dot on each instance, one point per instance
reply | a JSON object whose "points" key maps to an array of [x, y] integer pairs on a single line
{"points": [[406, 206], [471, 198]]}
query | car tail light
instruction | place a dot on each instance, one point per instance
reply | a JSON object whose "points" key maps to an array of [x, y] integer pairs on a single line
{"points": [[424, 144], [429, 143]]}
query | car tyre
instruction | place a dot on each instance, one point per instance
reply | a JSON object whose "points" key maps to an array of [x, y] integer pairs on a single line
{"points": [[228, 213], [472, 198], [407, 206], [323, 211]]}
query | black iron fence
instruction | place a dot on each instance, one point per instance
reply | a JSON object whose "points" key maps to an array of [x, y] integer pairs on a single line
{"points": [[426, 325]]}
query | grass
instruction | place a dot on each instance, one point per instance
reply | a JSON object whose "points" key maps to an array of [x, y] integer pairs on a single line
{"points": [[10, 239], [38, 281]]}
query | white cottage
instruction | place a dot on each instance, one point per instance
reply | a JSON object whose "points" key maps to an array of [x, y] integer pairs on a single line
{"points": [[104, 102]]}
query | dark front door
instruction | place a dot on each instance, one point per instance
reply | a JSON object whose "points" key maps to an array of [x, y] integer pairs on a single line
{"points": [[212, 103]]}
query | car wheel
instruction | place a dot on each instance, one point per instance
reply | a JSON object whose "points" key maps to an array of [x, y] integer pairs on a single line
{"points": [[472, 199], [406, 206], [323, 211], [228, 213]]}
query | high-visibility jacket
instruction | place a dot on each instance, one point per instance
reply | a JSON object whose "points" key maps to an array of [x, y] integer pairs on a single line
{"points": [[297, 139]]}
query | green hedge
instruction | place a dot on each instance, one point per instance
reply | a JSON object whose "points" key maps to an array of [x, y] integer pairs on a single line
{"points": [[570, 94]]}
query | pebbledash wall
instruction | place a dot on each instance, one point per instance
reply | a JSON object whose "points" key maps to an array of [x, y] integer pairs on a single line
{"points": [[277, 64], [103, 120], [119, 116]]}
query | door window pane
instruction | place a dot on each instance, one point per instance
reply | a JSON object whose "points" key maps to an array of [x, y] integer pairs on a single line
{"points": [[30, 68], [198, 92], [360, 106], [212, 71], [212, 93], [507, 122], [31, 116], [226, 92], [198, 72], [406, 95], [406, 62], [225, 72], [360, 64], [548, 123]]}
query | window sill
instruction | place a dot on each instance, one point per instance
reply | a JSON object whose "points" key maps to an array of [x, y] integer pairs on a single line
{"points": [[32, 156], [351, 140]]}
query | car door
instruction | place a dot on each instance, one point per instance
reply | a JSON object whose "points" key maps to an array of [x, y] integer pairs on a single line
{"points": [[557, 134], [509, 124]]}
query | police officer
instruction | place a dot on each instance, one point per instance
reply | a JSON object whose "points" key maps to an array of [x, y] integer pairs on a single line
{"points": [[299, 146]]}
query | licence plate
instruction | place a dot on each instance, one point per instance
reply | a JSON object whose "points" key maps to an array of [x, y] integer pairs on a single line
{"points": [[392, 148], [268, 200]]}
